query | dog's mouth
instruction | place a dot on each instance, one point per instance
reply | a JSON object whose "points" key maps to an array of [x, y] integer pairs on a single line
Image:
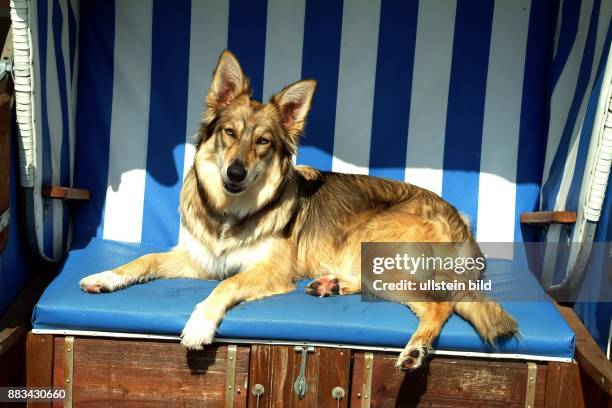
{"points": [[232, 188]]}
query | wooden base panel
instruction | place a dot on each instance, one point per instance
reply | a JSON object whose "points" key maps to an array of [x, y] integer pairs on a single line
{"points": [[130, 373]]}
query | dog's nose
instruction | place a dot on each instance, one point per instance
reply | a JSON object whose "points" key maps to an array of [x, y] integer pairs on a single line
{"points": [[236, 172]]}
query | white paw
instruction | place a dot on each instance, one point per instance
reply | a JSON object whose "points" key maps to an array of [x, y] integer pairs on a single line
{"points": [[412, 357], [198, 331], [106, 281]]}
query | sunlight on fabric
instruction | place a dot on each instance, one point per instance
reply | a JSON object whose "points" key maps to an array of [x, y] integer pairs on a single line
{"points": [[284, 41], [357, 73], [431, 77], [501, 124], [129, 123]]}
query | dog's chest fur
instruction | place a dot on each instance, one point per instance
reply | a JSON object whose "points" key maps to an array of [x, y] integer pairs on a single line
{"points": [[224, 257]]}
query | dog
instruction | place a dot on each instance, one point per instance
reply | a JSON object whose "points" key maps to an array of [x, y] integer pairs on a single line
{"points": [[257, 222]]}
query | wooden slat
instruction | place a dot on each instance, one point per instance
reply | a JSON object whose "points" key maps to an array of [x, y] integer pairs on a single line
{"points": [[39, 363], [65, 193], [548, 217], [277, 367], [588, 354], [563, 388], [151, 373], [446, 382]]}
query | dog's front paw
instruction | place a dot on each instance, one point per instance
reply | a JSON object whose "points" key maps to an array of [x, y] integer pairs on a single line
{"points": [[412, 358], [198, 331], [106, 281]]}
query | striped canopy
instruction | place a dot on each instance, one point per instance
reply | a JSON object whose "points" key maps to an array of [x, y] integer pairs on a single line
{"points": [[482, 102]]}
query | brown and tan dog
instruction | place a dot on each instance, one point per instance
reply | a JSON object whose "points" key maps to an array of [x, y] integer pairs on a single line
{"points": [[257, 222]]}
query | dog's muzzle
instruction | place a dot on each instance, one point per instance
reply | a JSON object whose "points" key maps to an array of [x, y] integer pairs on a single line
{"points": [[236, 174]]}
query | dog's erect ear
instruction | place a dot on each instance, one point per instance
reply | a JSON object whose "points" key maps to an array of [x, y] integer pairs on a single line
{"points": [[293, 103], [228, 82]]}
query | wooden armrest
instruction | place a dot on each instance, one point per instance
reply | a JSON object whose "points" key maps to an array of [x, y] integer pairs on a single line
{"points": [[588, 354], [65, 193], [548, 217]]}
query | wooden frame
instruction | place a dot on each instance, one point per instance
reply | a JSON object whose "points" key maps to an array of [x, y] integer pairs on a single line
{"points": [[107, 372]]}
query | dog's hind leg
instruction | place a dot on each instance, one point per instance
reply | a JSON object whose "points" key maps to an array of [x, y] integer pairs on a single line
{"points": [[173, 264], [432, 316], [331, 285]]}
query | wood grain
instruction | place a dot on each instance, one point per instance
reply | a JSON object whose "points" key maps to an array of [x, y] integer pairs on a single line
{"points": [[151, 374], [277, 367], [445, 382], [563, 387], [39, 363], [548, 217], [588, 354], [65, 193]]}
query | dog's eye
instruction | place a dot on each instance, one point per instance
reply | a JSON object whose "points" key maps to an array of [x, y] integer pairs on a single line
{"points": [[229, 132], [262, 141]]}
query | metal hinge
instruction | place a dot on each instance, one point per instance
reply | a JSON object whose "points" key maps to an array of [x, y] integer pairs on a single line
{"points": [[68, 369], [530, 392], [301, 386], [230, 381]]}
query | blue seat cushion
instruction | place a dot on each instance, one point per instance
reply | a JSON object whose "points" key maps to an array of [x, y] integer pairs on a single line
{"points": [[162, 307]]}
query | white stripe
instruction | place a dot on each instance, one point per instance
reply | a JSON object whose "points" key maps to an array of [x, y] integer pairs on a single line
{"points": [[356, 77], [54, 115], [37, 127], [563, 93], [284, 40], [209, 25], [570, 164], [130, 121], [558, 29], [501, 123], [555, 233], [430, 82]]}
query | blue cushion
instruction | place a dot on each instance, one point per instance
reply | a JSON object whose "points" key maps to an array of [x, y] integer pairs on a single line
{"points": [[163, 307]]}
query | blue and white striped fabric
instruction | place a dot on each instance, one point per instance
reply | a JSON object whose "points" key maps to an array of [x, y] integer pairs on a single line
{"points": [[447, 95], [54, 26], [581, 53]]}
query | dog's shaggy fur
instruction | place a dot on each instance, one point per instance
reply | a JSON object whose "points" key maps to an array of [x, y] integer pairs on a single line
{"points": [[257, 222]]}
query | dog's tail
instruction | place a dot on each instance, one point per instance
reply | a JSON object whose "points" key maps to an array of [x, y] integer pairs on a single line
{"points": [[488, 317]]}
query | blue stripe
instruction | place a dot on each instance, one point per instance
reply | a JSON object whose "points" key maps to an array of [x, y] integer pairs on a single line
{"points": [[47, 172], [167, 121], [93, 115], [57, 21], [587, 129], [466, 101], [320, 61], [533, 128], [567, 35], [395, 63], [551, 188], [72, 26], [246, 38]]}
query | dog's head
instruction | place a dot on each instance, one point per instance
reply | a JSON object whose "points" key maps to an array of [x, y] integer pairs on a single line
{"points": [[249, 144]]}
